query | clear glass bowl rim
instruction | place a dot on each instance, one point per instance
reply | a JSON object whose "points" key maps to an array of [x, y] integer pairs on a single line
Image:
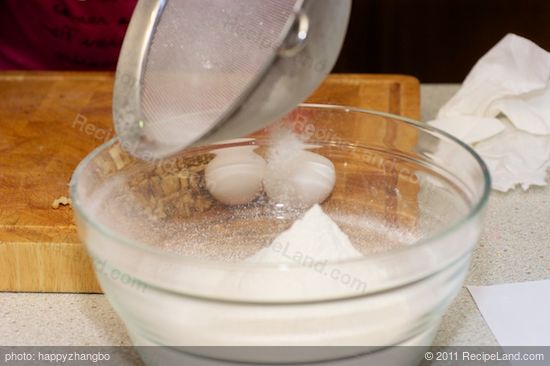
{"points": [[474, 211]]}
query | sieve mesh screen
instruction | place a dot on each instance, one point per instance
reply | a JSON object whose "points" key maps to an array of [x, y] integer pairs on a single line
{"points": [[204, 55]]}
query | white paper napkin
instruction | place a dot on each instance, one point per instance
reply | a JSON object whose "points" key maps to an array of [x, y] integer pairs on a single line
{"points": [[503, 110]]}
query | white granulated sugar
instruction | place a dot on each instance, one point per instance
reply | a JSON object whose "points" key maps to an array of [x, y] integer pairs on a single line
{"points": [[313, 238]]}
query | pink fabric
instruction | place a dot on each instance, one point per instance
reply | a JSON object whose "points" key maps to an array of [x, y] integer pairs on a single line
{"points": [[62, 34]]}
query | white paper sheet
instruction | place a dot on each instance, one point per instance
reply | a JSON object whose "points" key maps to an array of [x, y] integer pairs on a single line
{"points": [[517, 313]]}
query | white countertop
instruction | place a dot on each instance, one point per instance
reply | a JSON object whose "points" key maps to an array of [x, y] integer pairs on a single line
{"points": [[515, 247]]}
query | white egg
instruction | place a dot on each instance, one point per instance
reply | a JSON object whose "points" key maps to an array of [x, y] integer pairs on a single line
{"points": [[304, 179], [234, 176]]}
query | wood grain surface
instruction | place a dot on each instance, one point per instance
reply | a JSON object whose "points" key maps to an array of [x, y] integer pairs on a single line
{"points": [[49, 121]]}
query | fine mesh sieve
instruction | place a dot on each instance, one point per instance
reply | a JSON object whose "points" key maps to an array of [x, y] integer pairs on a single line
{"points": [[199, 71]]}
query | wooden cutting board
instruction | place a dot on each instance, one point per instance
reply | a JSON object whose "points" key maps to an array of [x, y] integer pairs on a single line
{"points": [[49, 121]]}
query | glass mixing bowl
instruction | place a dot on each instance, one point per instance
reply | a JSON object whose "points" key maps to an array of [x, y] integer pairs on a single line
{"points": [[172, 260]]}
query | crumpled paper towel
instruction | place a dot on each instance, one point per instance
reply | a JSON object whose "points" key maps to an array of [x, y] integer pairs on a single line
{"points": [[503, 110]]}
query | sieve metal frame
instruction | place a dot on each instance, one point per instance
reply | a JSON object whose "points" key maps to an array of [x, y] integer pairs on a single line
{"points": [[127, 115]]}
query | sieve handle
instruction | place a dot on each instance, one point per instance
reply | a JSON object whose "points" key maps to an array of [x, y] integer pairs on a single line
{"points": [[297, 37]]}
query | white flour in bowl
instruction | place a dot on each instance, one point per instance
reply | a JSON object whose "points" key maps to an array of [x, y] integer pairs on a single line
{"points": [[312, 238], [311, 249]]}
